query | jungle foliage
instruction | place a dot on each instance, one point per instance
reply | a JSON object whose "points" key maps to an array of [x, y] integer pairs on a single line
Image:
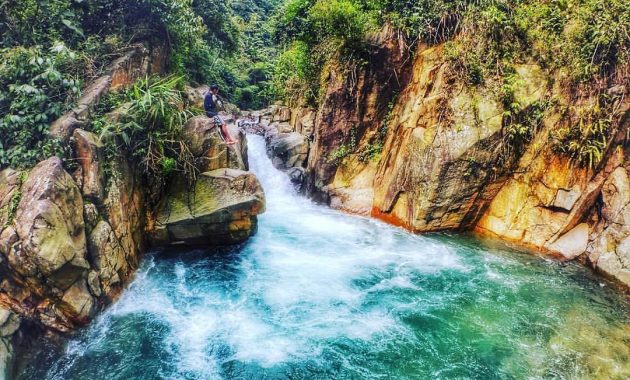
{"points": [[589, 39], [49, 49], [585, 42]]}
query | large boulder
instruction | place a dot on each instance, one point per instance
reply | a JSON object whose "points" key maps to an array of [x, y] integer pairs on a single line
{"points": [[208, 148], [195, 95], [49, 224], [126, 216], [305, 121], [43, 266], [288, 150], [219, 209], [78, 302], [610, 250], [282, 114], [108, 258]]}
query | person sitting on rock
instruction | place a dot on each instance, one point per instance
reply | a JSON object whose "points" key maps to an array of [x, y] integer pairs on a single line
{"points": [[211, 104]]}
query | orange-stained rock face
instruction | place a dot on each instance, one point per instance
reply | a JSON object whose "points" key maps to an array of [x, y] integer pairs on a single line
{"points": [[445, 147], [447, 163]]}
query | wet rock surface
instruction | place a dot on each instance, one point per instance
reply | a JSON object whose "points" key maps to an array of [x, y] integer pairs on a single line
{"points": [[288, 133]]}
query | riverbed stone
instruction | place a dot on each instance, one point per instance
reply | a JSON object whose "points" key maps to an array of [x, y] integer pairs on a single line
{"points": [[305, 121], [288, 150], [573, 243], [282, 114]]}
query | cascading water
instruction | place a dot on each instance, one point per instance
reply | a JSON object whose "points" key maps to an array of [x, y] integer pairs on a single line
{"points": [[317, 294]]}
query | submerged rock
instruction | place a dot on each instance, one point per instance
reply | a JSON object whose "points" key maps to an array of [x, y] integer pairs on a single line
{"points": [[219, 209]]}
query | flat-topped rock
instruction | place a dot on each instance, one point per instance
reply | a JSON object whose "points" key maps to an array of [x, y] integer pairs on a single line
{"points": [[220, 208]]}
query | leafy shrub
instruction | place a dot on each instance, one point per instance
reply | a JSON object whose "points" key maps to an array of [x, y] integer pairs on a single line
{"points": [[341, 19], [36, 87], [295, 75], [587, 37], [38, 22], [584, 136], [150, 130]]}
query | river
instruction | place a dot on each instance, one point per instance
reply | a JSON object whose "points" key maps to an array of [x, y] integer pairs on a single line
{"points": [[318, 294]]}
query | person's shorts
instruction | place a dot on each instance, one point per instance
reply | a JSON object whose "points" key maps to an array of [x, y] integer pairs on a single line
{"points": [[217, 121]]}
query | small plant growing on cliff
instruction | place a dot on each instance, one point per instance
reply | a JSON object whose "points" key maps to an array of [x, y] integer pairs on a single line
{"points": [[520, 126], [584, 136], [339, 154], [346, 149], [371, 151]]}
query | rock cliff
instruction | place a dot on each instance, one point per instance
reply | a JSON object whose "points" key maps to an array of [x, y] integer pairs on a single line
{"points": [[221, 206], [444, 155]]}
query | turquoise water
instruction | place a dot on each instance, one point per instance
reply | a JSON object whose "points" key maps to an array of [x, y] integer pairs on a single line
{"points": [[317, 294]]}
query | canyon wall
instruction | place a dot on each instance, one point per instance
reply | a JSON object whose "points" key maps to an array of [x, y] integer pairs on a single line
{"points": [[440, 155]]}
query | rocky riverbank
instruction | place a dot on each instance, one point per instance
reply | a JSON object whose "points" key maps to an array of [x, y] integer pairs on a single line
{"points": [[443, 155], [71, 239]]}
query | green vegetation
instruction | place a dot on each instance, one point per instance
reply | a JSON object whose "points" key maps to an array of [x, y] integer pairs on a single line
{"points": [[36, 86], [49, 49], [585, 133], [345, 150], [263, 50], [586, 42], [148, 126], [588, 39]]}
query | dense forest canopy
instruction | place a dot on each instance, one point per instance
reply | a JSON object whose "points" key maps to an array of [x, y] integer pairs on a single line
{"points": [[260, 51]]}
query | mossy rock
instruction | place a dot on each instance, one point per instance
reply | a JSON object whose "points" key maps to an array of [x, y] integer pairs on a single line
{"points": [[219, 209]]}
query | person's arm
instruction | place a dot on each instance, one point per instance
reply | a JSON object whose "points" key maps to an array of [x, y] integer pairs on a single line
{"points": [[219, 103]]}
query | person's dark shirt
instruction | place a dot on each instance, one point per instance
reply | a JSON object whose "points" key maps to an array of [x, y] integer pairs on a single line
{"points": [[210, 104]]}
